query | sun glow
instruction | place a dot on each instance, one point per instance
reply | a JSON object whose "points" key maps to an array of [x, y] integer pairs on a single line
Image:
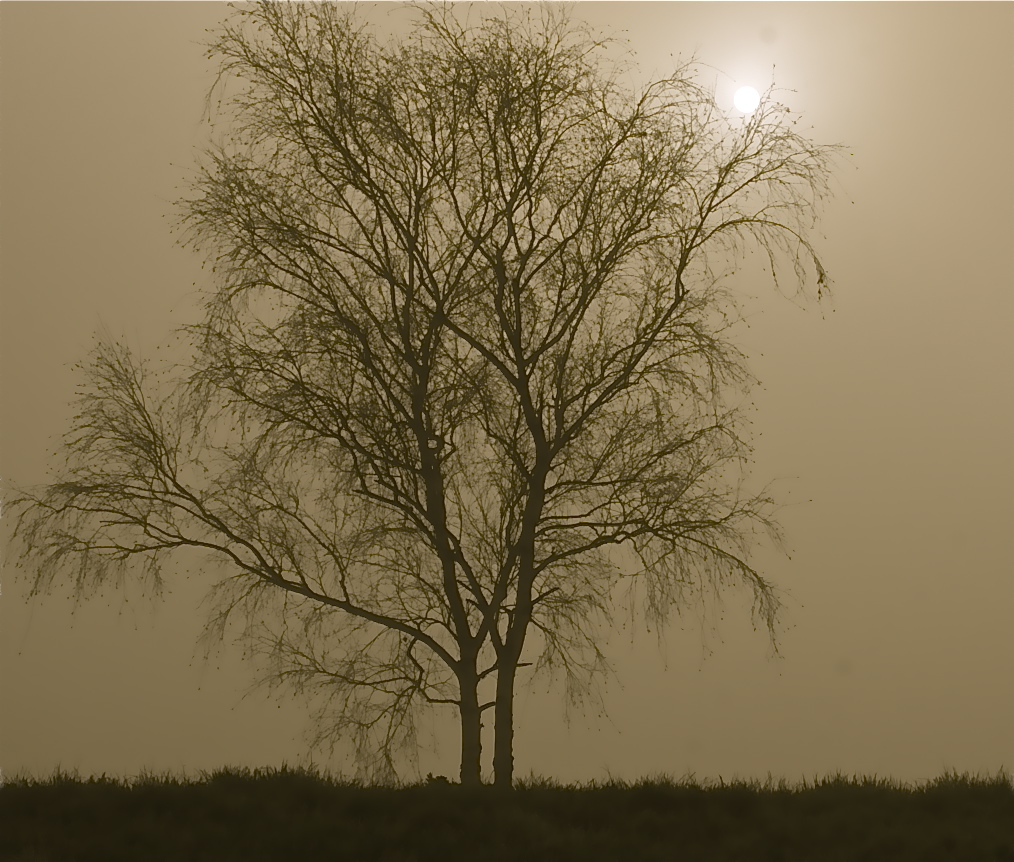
{"points": [[746, 99]]}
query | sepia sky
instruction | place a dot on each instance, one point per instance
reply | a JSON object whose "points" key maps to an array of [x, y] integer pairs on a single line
{"points": [[886, 417]]}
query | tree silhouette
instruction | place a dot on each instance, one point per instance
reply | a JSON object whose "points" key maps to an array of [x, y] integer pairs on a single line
{"points": [[465, 371]]}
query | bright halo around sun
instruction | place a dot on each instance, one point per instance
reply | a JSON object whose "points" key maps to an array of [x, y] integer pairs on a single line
{"points": [[746, 99]]}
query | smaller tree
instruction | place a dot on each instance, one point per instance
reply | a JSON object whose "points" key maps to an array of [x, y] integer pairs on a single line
{"points": [[467, 362]]}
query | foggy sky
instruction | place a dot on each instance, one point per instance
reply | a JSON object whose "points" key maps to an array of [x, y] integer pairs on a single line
{"points": [[886, 417]]}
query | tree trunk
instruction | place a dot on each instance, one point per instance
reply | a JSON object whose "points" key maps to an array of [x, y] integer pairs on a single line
{"points": [[471, 734], [503, 740]]}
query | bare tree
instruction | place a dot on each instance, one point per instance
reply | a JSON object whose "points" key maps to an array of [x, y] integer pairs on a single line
{"points": [[465, 370]]}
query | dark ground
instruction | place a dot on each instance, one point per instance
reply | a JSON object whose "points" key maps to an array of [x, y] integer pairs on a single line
{"points": [[298, 815]]}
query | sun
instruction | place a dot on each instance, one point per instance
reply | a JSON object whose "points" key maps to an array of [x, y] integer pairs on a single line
{"points": [[746, 99]]}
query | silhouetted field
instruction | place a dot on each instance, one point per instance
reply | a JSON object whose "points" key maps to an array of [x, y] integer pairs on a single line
{"points": [[293, 814]]}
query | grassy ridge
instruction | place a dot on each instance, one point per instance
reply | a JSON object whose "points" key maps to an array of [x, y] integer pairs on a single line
{"points": [[294, 814]]}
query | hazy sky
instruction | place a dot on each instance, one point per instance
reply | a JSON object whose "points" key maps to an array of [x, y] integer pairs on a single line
{"points": [[888, 421]]}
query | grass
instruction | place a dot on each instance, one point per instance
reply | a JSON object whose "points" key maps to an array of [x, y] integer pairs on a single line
{"points": [[296, 814]]}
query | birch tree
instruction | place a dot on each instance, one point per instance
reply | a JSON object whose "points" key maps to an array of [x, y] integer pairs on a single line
{"points": [[464, 371]]}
